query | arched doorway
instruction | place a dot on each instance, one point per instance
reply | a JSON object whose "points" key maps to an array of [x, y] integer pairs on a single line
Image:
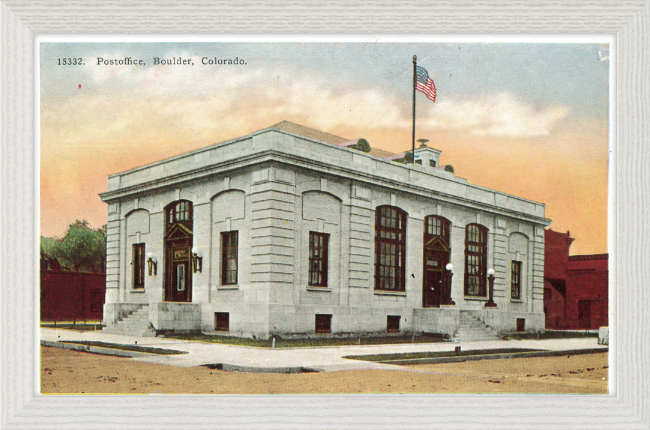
{"points": [[178, 251], [435, 283]]}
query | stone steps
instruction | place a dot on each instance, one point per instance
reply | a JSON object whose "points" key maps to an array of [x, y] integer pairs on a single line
{"points": [[473, 329], [134, 324]]}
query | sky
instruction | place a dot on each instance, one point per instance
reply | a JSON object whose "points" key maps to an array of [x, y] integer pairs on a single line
{"points": [[527, 119]]}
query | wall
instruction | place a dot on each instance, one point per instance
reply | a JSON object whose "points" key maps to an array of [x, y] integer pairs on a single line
{"points": [[587, 280], [571, 280], [555, 304], [556, 253], [69, 296]]}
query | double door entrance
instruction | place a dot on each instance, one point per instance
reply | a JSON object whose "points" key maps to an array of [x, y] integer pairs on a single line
{"points": [[178, 268]]}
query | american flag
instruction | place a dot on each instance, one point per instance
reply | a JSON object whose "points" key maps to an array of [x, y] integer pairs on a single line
{"points": [[424, 83]]}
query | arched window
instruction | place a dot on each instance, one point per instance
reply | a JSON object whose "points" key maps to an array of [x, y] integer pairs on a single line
{"points": [[179, 212], [435, 226], [390, 248], [475, 260]]}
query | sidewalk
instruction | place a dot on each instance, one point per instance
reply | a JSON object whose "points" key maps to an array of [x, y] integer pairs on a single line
{"points": [[287, 360]]}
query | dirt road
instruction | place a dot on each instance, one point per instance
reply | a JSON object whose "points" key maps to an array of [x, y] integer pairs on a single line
{"points": [[72, 372]]}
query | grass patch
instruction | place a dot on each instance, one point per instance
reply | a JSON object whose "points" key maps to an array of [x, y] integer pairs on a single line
{"points": [[441, 354], [134, 348], [552, 334], [73, 326], [306, 343]]}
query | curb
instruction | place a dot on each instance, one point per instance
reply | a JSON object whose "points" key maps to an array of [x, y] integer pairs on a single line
{"points": [[493, 356], [251, 369], [97, 349]]}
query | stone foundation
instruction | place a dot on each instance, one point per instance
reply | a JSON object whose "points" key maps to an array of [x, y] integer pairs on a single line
{"points": [[175, 317]]}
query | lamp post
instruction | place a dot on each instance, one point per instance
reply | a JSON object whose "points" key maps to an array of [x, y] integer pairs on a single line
{"points": [[447, 297], [490, 303]]}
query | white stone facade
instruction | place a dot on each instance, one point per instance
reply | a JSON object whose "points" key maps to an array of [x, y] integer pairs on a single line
{"points": [[273, 188]]}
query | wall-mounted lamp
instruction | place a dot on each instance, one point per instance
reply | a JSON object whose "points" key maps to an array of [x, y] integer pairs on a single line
{"points": [[152, 264], [197, 262], [490, 303], [446, 297]]}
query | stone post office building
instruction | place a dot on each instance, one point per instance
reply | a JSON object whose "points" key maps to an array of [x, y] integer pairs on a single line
{"points": [[287, 231]]}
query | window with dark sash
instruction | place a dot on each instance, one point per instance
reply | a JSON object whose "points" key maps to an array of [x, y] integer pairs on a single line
{"points": [[432, 163], [475, 260], [138, 265], [229, 258], [515, 280], [318, 243], [418, 162], [390, 249], [179, 212]]}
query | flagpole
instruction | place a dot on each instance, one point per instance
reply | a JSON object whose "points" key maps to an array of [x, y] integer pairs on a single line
{"points": [[415, 59]]}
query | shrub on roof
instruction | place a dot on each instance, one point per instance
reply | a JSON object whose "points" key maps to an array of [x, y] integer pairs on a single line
{"points": [[361, 145]]}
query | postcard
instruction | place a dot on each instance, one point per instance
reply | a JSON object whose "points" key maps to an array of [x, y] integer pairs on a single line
{"points": [[324, 216]]}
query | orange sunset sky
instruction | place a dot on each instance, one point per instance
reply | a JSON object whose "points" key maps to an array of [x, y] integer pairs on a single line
{"points": [[527, 119]]}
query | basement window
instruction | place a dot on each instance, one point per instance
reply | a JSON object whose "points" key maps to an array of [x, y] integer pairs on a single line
{"points": [[221, 321], [323, 323], [521, 324], [392, 323]]}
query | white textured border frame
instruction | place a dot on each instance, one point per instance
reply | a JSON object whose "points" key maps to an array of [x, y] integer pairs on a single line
{"points": [[628, 409]]}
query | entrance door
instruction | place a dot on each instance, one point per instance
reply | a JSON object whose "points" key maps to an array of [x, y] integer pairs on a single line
{"points": [[178, 279], [584, 314], [432, 287], [436, 288]]}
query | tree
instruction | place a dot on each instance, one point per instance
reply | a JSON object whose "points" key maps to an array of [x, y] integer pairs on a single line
{"points": [[449, 168], [82, 249], [408, 158], [361, 145]]}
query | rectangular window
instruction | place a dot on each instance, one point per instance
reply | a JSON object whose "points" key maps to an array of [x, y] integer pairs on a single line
{"points": [[229, 249], [515, 280], [221, 321], [475, 260], [432, 163], [138, 265], [392, 323], [418, 162], [323, 323], [318, 243], [390, 249]]}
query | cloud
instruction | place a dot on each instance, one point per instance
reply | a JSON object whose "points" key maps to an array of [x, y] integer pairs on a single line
{"points": [[202, 97], [496, 115]]}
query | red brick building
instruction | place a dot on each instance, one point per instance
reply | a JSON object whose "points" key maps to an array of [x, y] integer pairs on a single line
{"points": [[70, 296], [575, 287]]}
